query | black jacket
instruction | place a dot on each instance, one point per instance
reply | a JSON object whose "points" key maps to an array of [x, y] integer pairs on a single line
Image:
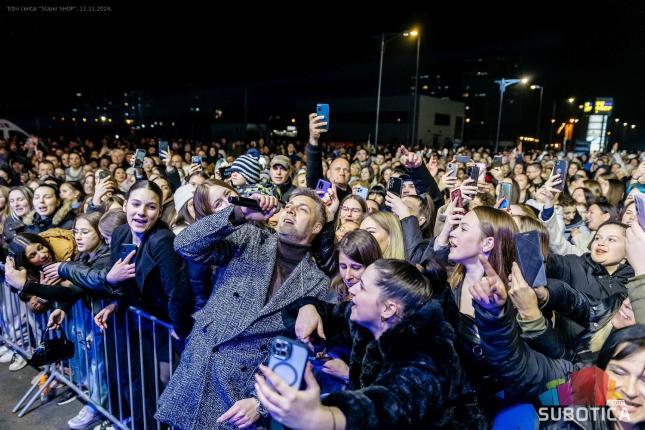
{"points": [[410, 378], [592, 315], [63, 218], [88, 272], [12, 226], [588, 277], [160, 286], [418, 249], [425, 183], [524, 371], [315, 172]]}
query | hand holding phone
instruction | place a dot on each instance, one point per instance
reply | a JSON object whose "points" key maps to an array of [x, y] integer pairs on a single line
{"points": [[288, 359], [505, 192], [456, 198], [139, 155], [395, 185], [528, 249], [561, 168], [362, 192], [322, 109], [639, 202], [473, 173], [322, 187], [125, 249]]}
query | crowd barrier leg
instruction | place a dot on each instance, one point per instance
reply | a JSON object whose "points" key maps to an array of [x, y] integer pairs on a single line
{"points": [[50, 379]]}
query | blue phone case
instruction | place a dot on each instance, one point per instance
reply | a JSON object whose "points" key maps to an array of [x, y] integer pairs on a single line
{"points": [[288, 359], [322, 187], [322, 109]]}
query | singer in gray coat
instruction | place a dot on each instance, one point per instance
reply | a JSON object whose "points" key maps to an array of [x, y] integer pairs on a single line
{"points": [[232, 334]]}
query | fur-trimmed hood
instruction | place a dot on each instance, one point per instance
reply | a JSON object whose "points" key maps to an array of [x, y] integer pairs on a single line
{"points": [[62, 215]]}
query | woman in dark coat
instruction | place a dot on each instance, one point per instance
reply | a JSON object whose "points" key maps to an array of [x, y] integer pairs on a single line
{"points": [[404, 368], [151, 278], [50, 211]]}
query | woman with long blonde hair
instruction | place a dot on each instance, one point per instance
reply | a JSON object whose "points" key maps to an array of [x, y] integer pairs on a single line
{"points": [[386, 229]]}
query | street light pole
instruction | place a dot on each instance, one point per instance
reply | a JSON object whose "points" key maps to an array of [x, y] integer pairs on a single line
{"points": [[378, 95], [503, 83], [384, 41], [539, 114], [415, 119]]}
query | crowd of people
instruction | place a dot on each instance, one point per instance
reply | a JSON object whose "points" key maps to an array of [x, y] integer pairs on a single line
{"points": [[397, 267]]}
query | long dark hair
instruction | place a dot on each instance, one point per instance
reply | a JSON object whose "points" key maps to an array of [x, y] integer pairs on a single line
{"points": [[18, 247], [360, 246]]}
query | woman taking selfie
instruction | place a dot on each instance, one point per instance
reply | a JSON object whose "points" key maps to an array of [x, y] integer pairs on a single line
{"points": [[405, 370]]}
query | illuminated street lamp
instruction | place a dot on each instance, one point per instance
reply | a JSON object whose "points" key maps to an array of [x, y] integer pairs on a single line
{"points": [[503, 83], [385, 38], [539, 115]]}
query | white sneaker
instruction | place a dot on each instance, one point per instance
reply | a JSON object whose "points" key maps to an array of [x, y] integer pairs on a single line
{"points": [[3, 350], [86, 417], [17, 363], [6, 357]]}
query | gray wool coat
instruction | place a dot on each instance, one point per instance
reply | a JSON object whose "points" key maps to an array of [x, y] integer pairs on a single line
{"points": [[232, 333]]}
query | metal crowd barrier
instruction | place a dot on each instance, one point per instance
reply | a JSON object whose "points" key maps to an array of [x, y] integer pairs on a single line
{"points": [[120, 372]]}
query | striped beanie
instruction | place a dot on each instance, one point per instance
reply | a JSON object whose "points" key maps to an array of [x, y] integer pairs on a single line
{"points": [[248, 167]]}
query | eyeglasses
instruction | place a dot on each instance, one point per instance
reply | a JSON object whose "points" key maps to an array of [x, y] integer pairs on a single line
{"points": [[82, 231], [352, 210]]}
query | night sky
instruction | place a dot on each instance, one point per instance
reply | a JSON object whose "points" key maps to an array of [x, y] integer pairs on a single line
{"points": [[312, 50]]}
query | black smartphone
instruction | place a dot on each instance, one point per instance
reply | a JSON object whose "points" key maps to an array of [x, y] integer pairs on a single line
{"points": [[530, 258], [138, 157], [639, 202], [104, 174], [395, 185], [473, 173], [288, 358], [163, 146], [561, 168], [497, 161], [244, 201], [197, 159], [125, 249], [322, 109]]}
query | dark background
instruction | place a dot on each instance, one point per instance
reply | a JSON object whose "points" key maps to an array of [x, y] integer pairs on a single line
{"points": [[284, 53]]}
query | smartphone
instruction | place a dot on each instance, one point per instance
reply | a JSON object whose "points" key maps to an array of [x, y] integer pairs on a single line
{"points": [[463, 159], [639, 202], [197, 159], [126, 249], [138, 157], [244, 201], [322, 109], [104, 174], [163, 146], [322, 187], [497, 161], [225, 172], [452, 167], [482, 172], [561, 168], [361, 191], [288, 359], [528, 249], [395, 185], [505, 191], [473, 173], [456, 198]]}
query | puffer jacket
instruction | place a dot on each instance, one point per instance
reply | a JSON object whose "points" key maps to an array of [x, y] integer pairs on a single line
{"points": [[62, 218], [587, 276]]}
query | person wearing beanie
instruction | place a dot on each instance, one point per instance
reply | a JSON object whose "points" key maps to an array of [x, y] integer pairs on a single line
{"points": [[245, 171]]}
